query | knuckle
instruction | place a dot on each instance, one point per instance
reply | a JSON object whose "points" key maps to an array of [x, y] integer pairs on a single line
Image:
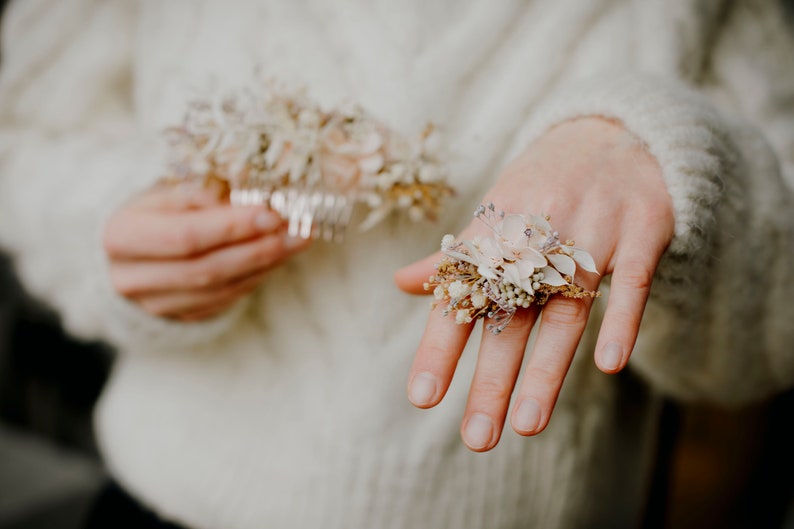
{"points": [[653, 215], [544, 377], [188, 240], [491, 389], [521, 319], [432, 349], [229, 228], [565, 313], [111, 242], [205, 276], [264, 253], [122, 284], [652, 209], [634, 275], [203, 280], [435, 350]]}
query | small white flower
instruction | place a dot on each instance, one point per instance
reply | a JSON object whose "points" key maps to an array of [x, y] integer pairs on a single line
{"points": [[404, 201], [371, 164], [518, 274], [458, 290], [429, 173], [516, 244], [415, 213], [488, 256], [385, 180], [462, 316], [373, 200], [447, 241], [478, 299], [438, 292], [399, 171], [308, 118]]}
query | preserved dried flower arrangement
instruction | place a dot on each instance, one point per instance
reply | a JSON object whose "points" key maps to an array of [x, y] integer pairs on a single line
{"points": [[283, 150], [523, 263]]}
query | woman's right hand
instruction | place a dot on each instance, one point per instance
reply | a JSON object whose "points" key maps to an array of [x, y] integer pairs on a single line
{"points": [[184, 253]]}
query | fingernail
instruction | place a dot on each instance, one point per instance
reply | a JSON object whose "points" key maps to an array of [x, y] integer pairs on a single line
{"points": [[267, 221], [479, 431], [611, 356], [527, 416], [422, 389]]}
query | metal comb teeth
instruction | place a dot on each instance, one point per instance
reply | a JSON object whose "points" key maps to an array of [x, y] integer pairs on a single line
{"points": [[309, 213]]}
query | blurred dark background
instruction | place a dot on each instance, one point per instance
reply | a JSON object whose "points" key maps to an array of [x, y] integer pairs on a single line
{"points": [[49, 469], [49, 465], [716, 468]]}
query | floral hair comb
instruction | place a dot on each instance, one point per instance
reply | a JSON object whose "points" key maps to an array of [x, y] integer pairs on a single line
{"points": [[311, 166], [523, 263]]}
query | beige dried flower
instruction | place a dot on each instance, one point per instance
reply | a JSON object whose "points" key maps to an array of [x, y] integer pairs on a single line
{"points": [[521, 264], [271, 140]]}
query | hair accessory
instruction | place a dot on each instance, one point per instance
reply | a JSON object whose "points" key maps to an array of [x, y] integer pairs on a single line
{"points": [[313, 167], [521, 264]]}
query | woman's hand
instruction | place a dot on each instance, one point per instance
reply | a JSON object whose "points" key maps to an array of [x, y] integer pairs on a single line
{"points": [[601, 188], [184, 254]]}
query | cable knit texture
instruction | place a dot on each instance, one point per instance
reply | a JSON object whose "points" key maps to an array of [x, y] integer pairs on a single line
{"points": [[289, 410]]}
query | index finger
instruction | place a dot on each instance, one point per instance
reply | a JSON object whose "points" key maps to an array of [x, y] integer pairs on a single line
{"points": [[412, 278], [141, 234], [436, 359]]}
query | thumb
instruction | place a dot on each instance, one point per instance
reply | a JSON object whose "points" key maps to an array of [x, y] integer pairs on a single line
{"points": [[411, 278]]}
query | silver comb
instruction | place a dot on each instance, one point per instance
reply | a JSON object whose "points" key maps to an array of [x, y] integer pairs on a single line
{"points": [[309, 213]]}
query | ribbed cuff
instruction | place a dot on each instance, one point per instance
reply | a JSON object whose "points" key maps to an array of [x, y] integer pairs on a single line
{"points": [[138, 330]]}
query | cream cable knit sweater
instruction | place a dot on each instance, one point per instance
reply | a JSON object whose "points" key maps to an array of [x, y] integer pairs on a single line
{"points": [[289, 411]]}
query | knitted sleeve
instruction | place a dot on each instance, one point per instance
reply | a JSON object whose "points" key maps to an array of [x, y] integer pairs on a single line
{"points": [[70, 153], [719, 323]]}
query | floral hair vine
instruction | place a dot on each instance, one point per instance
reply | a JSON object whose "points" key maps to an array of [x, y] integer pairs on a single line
{"points": [[522, 263], [266, 144]]}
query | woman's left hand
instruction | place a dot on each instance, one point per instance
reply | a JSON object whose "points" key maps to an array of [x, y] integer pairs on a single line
{"points": [[600, 187]]}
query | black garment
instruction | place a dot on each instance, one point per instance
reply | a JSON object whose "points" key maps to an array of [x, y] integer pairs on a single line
{"points": [[115, 509]]}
